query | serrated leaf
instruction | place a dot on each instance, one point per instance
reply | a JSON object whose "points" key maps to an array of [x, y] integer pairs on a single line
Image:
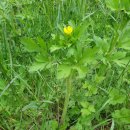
{"points": [[113, 4], [87, 108], [37, 67], [84, 104], [89, 56], [92, 90], [54, 48], [85, 112], [91, 108], [118, 5], [101, 43], [122, 116], [119, 58], [30, 45], [71, 52], [122, 62], [124, 39], [99, 79], [63, 71], [41, 42], [116, 96], [31, 105], [82, 71], [118, 55]]}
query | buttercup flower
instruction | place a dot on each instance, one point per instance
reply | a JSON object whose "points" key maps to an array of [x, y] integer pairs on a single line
{"points": [[68, 30]]}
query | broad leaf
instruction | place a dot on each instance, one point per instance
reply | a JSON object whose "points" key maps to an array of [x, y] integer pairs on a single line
{"points": [[30, 45], [89, 56], [54, 48], [122, 116], [41, 43], [31, 105], [37, 66], [101, 43], [63, 71], [82, 71], [113, 4], [119, 58], [124, 38], [118, 5], [87, 108], [116, 96]]}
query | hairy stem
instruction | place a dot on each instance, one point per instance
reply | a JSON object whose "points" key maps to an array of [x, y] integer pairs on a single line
{"points": [[67, 97]]}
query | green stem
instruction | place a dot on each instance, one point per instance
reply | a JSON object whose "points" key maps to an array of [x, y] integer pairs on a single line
{"points": [[67, 97]]}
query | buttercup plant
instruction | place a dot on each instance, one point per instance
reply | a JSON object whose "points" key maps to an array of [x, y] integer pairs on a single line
{"points": [[73, 64]]}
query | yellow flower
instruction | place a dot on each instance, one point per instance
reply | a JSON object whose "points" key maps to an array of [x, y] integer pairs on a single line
{"points": [[68, 30]]}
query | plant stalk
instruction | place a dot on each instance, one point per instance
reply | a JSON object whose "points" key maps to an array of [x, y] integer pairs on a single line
{"points": [[67, 97]]}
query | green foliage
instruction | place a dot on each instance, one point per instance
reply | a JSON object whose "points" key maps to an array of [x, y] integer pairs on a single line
{"points": [[92, 90], [87, 108], [122, 116], [119, 5], [64, 71], [50, 80], [124, 37], [30, 45], [116, 96]]}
